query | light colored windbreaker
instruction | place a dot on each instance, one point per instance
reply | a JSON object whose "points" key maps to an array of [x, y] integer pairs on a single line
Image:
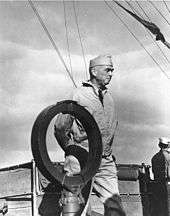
{"points": [[87, 96]]}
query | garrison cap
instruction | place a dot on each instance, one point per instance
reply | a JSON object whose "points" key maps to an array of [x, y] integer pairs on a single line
{"points": [[101, 60], [164, 142]]}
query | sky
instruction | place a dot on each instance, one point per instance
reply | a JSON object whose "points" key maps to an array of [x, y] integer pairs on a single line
{"points": [[33, 77]]}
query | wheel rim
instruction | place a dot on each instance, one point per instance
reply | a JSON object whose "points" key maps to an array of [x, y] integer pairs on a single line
{"points": [[39, 149]]}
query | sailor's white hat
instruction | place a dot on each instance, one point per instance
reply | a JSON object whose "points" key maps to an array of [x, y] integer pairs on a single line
{"points": [[101, 60], [164, 140]]}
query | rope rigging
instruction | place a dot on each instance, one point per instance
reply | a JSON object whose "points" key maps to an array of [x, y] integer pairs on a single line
{"points": [[151, 27], [133, 9], [166, 6], [159, 12], [143, 10], [51, 39], [135, 37], [81, 43], [67, 39]]}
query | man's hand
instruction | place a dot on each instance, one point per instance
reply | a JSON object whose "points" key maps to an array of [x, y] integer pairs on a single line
{"points": [[62, 128], [78, 132]]}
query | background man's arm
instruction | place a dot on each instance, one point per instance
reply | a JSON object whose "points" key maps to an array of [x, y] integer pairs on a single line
{"points": [[78, 132], [62, 129]]}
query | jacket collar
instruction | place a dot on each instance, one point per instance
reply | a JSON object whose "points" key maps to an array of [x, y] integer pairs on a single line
{"points": [[90, 84]]}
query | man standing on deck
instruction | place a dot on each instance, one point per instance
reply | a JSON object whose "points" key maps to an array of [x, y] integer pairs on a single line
{"points": [[95, 97]]}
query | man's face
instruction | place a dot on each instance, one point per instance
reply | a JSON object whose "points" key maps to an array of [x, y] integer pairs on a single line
{"points": [[103, 74]]}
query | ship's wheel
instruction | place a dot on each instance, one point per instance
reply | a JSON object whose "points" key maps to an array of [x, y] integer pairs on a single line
{"points": [[39, 148]]}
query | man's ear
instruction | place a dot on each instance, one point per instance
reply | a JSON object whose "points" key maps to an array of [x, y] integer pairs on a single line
{"points": [[93, 72]]}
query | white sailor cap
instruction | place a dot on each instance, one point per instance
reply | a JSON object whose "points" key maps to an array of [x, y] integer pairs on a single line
{"points": [[101, 60], [164, 142]]}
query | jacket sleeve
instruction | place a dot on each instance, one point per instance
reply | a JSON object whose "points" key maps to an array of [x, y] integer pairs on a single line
{"points": [[62, 129]]}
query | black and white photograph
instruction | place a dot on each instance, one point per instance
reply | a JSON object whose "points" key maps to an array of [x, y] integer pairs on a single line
{"points": [[85, 108]]}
